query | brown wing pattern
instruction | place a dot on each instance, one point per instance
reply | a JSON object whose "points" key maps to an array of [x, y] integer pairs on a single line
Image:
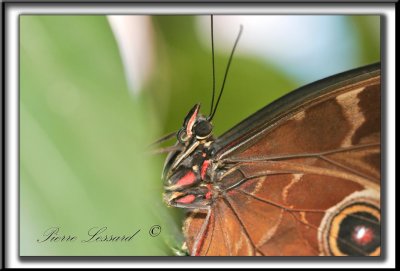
{"points": [[309, 184]]}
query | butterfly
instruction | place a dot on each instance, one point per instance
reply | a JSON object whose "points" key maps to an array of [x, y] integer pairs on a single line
{"points": [[300, 177]]}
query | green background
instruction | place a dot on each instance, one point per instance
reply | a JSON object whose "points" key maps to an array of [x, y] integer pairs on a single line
{"points": [[84, 156]]}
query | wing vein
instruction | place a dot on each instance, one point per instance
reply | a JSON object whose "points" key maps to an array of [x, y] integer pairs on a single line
{"points": [[301, 155], [333, 162], [227, 199], [291, 210]]}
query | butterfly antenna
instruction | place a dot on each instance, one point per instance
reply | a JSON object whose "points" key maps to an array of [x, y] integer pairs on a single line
{"points": [[226, 71], [213, 64]]}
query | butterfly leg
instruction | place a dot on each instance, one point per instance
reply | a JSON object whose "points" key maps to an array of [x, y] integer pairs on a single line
{"points": [[201, 235]]}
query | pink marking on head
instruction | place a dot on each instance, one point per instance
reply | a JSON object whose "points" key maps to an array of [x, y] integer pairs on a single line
{"points": [[204, 168], [191, 123], [189, 178], [208, 195], [186, 199]]}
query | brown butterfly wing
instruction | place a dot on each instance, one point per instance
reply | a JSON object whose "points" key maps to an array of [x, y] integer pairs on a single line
{"points": [[293, 178]]}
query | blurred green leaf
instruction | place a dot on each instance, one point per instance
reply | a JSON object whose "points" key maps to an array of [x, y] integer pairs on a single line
{"points": [[83, 137], [367, 34]]}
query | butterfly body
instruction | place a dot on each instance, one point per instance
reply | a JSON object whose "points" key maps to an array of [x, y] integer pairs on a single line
{"points": [[299, 177]]}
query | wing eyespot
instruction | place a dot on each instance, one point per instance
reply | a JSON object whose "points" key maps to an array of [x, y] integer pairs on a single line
{"points": [[353, 228]]}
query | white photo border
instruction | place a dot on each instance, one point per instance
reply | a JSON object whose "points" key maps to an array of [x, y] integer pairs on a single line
{"points": [[11, 14]]}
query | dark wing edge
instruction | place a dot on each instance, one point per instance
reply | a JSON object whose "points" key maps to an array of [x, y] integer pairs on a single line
{"points": [[267, 114]]}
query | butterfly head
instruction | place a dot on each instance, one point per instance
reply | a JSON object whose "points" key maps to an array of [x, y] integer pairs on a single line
{"points": [[185, 168], [196, 132], [195, 126]]}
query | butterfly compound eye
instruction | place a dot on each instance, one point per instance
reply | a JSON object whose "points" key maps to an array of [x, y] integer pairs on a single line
{"points": [[202, 129]]}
